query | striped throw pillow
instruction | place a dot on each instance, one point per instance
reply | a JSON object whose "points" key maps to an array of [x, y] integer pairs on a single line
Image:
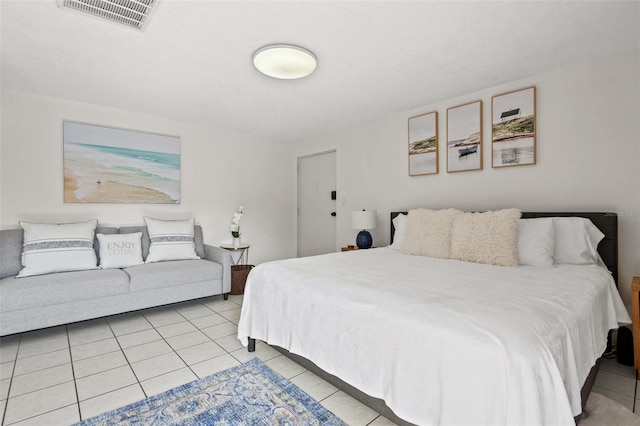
{"points": [[171, 239], [50, 247]]}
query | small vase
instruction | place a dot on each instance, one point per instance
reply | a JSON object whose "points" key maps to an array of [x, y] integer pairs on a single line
{"points": [[236, 241]]}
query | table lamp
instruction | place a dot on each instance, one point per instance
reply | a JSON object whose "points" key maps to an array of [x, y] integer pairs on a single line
{"points": [[366, 219]]}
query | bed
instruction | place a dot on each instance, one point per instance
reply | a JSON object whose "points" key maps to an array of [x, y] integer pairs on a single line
{"points": [[493, 346]]}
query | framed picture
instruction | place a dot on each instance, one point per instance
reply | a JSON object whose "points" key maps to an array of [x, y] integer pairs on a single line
{"points": [[464, 137], [513, 128], [109, 165], [423, 144]]}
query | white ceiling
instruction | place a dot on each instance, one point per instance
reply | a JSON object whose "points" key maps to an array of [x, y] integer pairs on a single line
{"points": [[193, 61]]}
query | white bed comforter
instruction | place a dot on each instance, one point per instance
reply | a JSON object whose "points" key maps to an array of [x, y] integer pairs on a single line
{"points": [[441, 341]]}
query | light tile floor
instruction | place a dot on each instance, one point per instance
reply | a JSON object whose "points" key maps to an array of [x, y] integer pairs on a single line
{"points": [[61, 375]]}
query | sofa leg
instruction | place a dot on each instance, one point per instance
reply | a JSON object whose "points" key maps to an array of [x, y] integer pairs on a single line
{"points": [[226, 296]]}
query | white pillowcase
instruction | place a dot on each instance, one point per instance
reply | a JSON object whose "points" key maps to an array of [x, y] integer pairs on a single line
{"points": [[171, 239], [50, 247], [490, 237], [428, 232], [400, 226], [536, 242], [576, 241], [120, 250]]}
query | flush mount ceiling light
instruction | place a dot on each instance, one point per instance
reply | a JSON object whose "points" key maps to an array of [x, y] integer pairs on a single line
{"points": [[285, 61]]}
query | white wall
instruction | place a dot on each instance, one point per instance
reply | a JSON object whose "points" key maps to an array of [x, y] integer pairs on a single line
{"points": [[220, 170], [588, 146]]}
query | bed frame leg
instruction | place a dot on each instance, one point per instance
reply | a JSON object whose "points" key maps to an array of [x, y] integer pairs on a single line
{"points": [[252, 345], [226, 296]]}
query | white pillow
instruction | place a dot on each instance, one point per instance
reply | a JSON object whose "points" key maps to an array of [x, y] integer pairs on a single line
{"points": [[536, 242], [120, 250], [400, 226], [490, 237], [171, 239], [576, 241], [50, 247], [428, 232]]}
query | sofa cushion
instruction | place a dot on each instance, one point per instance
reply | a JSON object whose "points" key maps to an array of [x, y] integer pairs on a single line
{"points": [[167, 274], [53, 289]]}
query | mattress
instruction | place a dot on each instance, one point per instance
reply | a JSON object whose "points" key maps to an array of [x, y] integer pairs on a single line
{"points": [[440, 341]]}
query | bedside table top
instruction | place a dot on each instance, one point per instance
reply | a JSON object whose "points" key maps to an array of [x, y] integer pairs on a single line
{"points": [[232, 247]]}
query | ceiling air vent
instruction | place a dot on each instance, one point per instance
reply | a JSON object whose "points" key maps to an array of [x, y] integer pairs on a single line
{"points": [[132, 13]]}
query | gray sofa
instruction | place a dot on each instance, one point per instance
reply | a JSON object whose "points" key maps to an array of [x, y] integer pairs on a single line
{"points": [[46, 300]]}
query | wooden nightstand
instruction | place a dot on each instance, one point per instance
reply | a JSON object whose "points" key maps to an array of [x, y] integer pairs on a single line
{"points": [[349, 248], [635, 317]]}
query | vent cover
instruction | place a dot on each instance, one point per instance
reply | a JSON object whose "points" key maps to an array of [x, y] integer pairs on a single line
{"points": [[132, 13]]}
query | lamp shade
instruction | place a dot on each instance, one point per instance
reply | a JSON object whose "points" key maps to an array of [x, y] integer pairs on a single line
{"points": [[365, 219]]}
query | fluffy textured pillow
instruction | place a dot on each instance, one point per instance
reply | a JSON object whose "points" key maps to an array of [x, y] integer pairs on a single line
{"points": [[171, 240], [50, 247], [120, 250], [536, 242], [490, 237], [429, 232], [400, 226], [576, 241]]}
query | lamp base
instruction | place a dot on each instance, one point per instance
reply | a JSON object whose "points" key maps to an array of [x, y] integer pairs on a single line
{"points": [[364, 240]]}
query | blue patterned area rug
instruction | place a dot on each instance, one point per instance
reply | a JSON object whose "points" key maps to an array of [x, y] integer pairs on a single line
{"points": [[249, 394]]}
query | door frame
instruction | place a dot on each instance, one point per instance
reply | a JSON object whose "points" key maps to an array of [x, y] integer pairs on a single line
{"points": [[299, 189]]}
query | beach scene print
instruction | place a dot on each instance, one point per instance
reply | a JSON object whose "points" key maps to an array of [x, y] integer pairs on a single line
{"points": [[513, 137], [107, 165], [464, 137], [423, 144]]}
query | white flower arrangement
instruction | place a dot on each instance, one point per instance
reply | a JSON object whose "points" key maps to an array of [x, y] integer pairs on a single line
{"points": [[235, 222]]}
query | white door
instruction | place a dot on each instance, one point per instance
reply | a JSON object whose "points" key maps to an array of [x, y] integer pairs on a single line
{"points": [[316, 208]]}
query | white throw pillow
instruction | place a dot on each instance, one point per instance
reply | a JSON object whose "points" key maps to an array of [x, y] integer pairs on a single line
{"points": [[50, 247], [536, 242], [490, 237], [400, 226], [171, 239], [429, 232], [576, 241], [120, 250]]}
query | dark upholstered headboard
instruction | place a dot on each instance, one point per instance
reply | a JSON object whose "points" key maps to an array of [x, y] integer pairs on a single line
{"points": [[607, 222]]}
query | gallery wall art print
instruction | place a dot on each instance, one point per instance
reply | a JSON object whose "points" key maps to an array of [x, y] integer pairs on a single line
{"points": [[110, 165], [464, 137], [423, 144], [513, 128]]}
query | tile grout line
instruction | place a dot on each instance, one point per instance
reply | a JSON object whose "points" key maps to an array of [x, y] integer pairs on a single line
{"points": [[198, 328], [128, 363], [15, 364], [616, 392], [73, 372], [77, 404]]}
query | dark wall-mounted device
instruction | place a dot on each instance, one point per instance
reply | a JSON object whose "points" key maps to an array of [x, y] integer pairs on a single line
{"points": [[333, 195]]}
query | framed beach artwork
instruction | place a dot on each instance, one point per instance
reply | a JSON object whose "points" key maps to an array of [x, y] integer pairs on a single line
{"points": [[110, 165], [423, 144], [464, 137], [513, 128]]}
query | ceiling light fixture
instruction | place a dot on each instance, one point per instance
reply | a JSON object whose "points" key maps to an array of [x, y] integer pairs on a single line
{"points": [[285, 61]]}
